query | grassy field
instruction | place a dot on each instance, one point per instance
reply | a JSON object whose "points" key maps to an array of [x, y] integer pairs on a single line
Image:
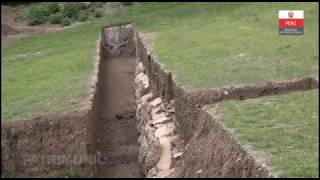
{"points": [[218, 44], [205, 44], [47, 73], [226, 44], [285, 127]]}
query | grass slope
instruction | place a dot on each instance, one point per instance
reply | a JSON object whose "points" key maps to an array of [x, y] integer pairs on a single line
{"points": [[238, 43], [47, 73], [285, 127], [218, 44], [205, 44]]}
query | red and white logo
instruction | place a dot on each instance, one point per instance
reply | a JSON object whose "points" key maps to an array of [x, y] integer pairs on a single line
{"points": [[288, 19]]}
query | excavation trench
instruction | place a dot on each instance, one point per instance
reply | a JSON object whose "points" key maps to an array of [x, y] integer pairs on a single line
{"points": [[140, 123], [117, 141], [116, 135], [134, 135]]}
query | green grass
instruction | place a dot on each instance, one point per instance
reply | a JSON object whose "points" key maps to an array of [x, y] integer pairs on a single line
{"points": [[226, 44], [47, 73], [204, 44], [285, 127], [66, 173], [71, 173], [218, 44]]}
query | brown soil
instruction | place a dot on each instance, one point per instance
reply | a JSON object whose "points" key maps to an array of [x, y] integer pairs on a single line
{"points": [[10, 32], [12, 15], [106, 133], [24, 30], [117, 135], [209, 149], [189, 104], [13, 25], [214, 152], [28, 145]]}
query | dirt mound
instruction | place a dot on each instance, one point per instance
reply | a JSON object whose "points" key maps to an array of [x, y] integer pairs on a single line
{"points": [[24, 30], [8, 30], [14, 25]]}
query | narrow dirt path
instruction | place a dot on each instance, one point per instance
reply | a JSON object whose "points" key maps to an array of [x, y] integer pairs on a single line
{"points": [[117, 141]]}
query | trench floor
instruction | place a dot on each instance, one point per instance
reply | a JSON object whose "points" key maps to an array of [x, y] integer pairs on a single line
{"points": [[118, 136]]}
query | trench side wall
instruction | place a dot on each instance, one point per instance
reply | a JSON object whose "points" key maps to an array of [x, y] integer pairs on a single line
{"points": [[45, 145], [194, 125]]}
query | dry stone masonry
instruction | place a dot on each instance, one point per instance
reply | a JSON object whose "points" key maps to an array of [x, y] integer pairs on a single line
{"points": [[156, 125]]}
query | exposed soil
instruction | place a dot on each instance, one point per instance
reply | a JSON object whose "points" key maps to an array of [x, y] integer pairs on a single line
{"points": [[189, 104], [106, 133], [28, 145], [209, 149], [113, 110], [117, 141], [214, 152], [12, 15], [13, 25], [10, 32]]}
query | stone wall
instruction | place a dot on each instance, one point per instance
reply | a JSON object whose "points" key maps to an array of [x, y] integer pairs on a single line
{"points": [[177, 136], [155, 115]]}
